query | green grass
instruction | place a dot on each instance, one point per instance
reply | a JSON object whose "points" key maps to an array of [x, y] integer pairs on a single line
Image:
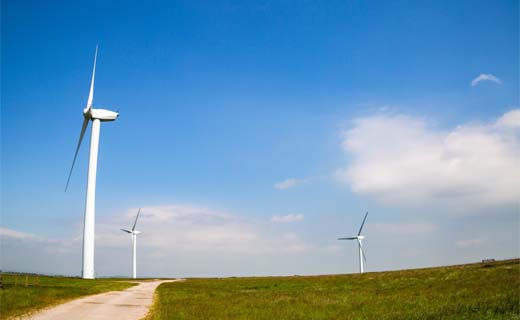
{"points": [[41, 291], [477, 291]]}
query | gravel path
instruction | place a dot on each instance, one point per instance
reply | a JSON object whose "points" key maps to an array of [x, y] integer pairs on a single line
{"points": [[132, 303]]}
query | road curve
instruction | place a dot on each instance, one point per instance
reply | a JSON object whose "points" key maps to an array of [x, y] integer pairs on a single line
{"points": [[132, 303]]}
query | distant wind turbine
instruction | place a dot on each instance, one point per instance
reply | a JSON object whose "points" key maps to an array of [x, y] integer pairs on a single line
{"points": [[359, 238], [134, 234], [96, 116]]}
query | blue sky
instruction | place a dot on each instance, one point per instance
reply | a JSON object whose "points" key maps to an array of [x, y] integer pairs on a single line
{"points": [[220, 101]]}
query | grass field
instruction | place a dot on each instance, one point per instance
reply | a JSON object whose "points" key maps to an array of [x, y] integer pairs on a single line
{"points": [[477, 291], [16, 298]]}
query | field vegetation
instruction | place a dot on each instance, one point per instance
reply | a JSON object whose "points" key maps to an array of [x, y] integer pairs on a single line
{"points": [[22, 293], [475, 291]]}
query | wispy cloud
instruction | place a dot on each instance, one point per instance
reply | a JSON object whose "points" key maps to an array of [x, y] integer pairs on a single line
{"points": [[289, 183], [293, 243], [5, 232], [398, 158], [196, 228], [485, 77], [185, 227], [331, 248], [466, 243], [404, 228], [45, 244], [287, 218], [173, 234]]}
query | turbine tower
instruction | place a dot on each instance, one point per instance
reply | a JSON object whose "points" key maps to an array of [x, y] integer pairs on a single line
{"points": [[359, 239], [96, 116], [134, 234]]}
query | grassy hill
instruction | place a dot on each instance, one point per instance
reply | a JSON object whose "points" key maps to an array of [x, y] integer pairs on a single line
{"points": [[17, 297], [475, 291]]}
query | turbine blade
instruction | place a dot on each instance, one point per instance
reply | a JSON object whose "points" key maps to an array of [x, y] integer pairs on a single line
{"points": [[127, 231], [82, 133], [91, 94], [135, 222], [362, 252], [362, 224], [351, 238]]}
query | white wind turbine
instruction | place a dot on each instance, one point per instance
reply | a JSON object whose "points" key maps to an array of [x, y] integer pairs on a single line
{"points": [[96, 116], [359, 239], [134, 234]]}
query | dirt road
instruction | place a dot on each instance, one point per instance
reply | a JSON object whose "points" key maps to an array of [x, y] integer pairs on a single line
{"points": [[132, 303]]}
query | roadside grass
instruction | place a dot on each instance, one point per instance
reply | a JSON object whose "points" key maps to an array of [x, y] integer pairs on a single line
{"points": [[42, 291], [475, 291]]}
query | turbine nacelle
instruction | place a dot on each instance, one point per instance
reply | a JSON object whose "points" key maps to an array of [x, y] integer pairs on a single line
{"points": [[137, 232], [101, 114], [361, 237]]}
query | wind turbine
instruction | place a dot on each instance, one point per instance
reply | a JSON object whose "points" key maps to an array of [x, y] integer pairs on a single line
{"points": [[134, 234], [359, 239], [96, 116]]}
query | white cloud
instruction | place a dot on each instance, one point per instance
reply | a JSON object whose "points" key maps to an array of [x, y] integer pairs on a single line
{"points": [[289, 183], [466, 243], [510, 120], [485, 77], [287, 218], [398, 158]]}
